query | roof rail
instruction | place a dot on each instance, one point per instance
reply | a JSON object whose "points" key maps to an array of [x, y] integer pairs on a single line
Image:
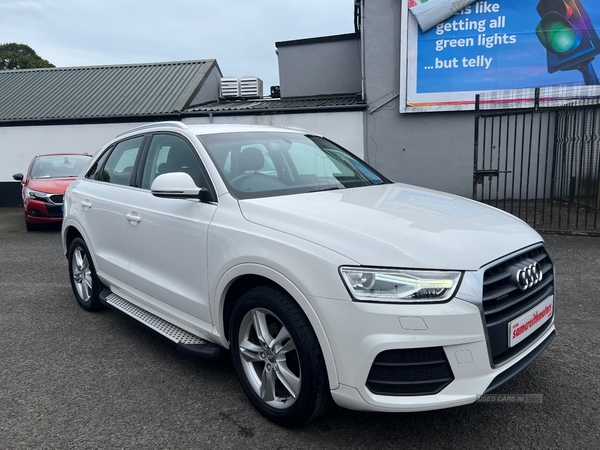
{"points": [[172, 123], [295, 128]]}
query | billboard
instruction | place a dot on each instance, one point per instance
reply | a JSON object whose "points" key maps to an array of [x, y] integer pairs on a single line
{"points": [[497, 45]]}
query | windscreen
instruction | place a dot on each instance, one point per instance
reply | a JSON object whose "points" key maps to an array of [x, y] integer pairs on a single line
{"points": [[59, 166], [262, 164]]}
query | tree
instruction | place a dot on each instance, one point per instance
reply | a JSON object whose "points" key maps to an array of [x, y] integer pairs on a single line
{"points": [[20, 56]]}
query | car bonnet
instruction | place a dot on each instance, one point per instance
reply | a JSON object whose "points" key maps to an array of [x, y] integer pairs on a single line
{"points": [[396, 225]]}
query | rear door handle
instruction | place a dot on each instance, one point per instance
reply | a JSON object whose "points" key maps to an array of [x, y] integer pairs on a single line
{"points": [[133, 218], [86, 204]]}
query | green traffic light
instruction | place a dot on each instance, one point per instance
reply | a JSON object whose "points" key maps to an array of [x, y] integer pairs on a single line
{"points": [[557, 34], [562, 39]]}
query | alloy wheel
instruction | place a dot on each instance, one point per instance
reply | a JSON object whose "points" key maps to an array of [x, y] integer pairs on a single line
{"points": [[82, 275], [269, 358]]}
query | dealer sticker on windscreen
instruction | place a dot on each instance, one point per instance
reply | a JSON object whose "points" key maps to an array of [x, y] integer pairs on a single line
{"points": [[525, 325]]}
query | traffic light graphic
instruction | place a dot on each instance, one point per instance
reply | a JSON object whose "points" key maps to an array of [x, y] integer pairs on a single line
{"points": [[569, 37]]}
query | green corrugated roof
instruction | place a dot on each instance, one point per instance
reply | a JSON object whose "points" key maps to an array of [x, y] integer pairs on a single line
{"points": [[101, 91]]}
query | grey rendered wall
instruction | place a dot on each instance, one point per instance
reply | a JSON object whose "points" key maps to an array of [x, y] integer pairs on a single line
{"points": [[433, 150], [322, 68]]}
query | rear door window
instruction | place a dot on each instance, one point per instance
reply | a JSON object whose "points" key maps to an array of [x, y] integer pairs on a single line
{"points": [[116, 166]]}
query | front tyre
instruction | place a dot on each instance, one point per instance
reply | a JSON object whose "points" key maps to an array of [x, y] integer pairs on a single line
{"points": [[31, 226], [277, 357], [84, 281]]}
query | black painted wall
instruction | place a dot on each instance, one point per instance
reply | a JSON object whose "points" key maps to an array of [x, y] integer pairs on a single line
{"points": [[10, 193]]}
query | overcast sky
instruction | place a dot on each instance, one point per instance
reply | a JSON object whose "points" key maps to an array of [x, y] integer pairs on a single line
{"points": [[239, 34]]}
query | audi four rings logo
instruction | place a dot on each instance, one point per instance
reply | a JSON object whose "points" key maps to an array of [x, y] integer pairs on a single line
{"points": [[528, 276]]}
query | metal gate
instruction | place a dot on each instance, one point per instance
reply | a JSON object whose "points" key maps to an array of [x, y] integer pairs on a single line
{"points": [[541, 163]]}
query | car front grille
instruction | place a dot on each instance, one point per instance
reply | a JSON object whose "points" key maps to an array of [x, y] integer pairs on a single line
{"points": [[503, 301], [415, 371], [56, 199]]}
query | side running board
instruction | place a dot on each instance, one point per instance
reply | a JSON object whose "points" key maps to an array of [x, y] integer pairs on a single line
{"points": [[185, 341]]}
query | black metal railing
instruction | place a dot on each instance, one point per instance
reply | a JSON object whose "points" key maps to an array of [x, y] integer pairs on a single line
{"points": [[539, 158]]}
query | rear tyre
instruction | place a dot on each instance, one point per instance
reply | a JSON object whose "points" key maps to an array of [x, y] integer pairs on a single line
{"points": [[84, 281], [278, 358]]}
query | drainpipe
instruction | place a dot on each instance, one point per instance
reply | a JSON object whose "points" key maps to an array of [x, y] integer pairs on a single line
{"points": [[361, 5], [360, 24]]}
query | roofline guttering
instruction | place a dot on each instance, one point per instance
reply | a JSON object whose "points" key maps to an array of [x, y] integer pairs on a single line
{"points": [[175, 116], [266, 111], [91, 120]]}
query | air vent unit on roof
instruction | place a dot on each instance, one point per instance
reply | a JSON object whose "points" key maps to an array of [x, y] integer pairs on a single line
{"points": [[252, 87], [230, 87]]}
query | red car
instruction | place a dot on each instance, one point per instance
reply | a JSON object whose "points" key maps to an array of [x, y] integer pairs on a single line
{"points": [[45, 183]]}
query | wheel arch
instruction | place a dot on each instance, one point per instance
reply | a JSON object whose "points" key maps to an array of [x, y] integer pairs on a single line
{"points": [[70, 233], [243, 277]]}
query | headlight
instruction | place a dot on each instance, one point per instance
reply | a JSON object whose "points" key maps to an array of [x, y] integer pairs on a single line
{"points": [[400, 286], [36, 194]]}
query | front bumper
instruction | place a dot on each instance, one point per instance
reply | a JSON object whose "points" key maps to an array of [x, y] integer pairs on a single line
{"points": [[39, 212], [468, 359], [358, 332]]}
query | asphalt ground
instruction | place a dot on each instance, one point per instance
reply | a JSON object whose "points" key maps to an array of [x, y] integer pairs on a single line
{"points": [[73, 379]]}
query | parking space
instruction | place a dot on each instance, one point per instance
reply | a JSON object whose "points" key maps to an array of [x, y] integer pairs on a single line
{"points": [[72, 379]]}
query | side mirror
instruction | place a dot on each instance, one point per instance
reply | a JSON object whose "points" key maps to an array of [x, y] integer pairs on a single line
{"points": [[18, 177], [176, 185]]}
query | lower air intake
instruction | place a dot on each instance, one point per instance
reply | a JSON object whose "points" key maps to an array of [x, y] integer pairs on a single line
{"points": [[415, 371]]}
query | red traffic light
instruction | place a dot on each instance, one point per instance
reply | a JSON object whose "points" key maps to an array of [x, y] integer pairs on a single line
{"points": [[559, 6]]}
